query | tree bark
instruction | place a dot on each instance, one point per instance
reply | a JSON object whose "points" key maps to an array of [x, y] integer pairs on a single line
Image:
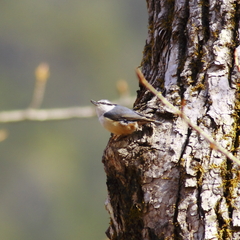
{"points": [[165, 181]]}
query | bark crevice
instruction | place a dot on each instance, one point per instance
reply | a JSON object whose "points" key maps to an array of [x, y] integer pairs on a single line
{"points": [[167, 177]]}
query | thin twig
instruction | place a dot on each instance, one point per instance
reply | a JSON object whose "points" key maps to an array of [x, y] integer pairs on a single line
{"points": [[213, 144], [46, 114], [32, 114]]}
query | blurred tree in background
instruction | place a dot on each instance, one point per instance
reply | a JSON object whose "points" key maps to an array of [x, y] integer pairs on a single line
{"points": [[52, 183]]}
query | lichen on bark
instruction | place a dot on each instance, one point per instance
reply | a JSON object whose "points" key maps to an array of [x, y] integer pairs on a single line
{"points": [[165, 181]]}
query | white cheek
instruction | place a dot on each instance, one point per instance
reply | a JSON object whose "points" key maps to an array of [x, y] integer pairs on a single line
{"points": [[101, 119]]}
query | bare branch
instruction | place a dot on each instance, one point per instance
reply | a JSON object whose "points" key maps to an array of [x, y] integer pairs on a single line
{"points": [[213, 144], [31, 114], [42, 73], [46, 114]]}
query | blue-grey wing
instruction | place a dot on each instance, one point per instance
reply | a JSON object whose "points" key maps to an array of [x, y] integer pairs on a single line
{"points": [[120, 113]]}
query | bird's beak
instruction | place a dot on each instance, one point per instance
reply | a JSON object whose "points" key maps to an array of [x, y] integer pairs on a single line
{"points": [[94, 102]]}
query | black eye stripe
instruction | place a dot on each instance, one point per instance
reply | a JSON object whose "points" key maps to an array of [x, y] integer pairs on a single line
{"points": [[109, 104]]}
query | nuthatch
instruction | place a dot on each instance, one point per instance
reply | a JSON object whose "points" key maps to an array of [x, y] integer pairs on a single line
{"points": [[117, 119]]}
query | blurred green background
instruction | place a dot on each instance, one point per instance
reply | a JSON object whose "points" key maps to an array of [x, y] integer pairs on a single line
{"points": [[52, 181]]}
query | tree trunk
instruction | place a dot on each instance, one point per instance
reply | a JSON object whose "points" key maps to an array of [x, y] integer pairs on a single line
{"points": [[165, 181]]}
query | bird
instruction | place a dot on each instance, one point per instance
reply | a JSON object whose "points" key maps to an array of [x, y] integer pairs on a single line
{"points": [[118, 119]]}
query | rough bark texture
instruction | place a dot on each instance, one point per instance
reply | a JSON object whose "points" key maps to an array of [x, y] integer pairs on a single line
{"points": [[165, 181]]}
